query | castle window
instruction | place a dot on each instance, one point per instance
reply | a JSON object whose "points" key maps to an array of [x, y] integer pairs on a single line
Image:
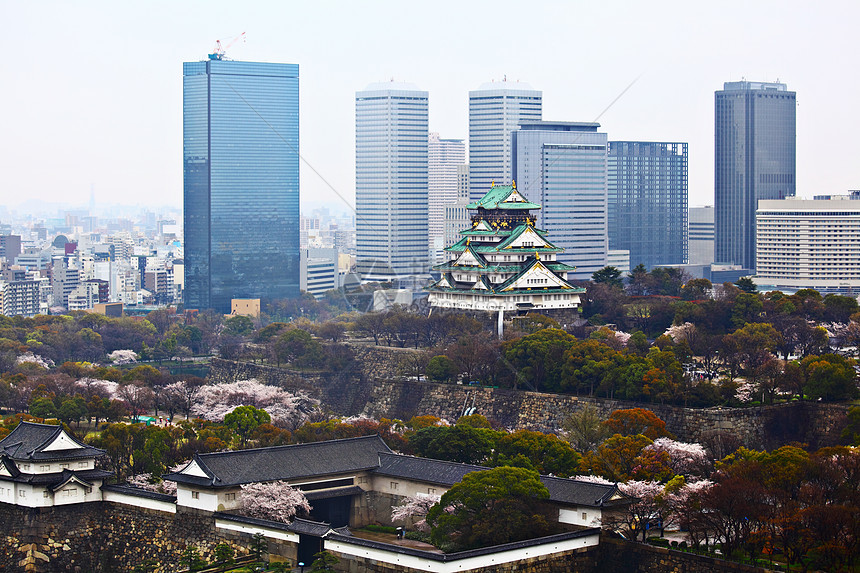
{"points": [[195, 495], [394, 485], [230, 497]]}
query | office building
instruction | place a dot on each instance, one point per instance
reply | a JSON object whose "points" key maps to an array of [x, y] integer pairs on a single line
{"points": [[391, 140], [241, 162], [563, 166], [701, 235], [457, 215], [444, 158], [648, 201], [496, 109], [804, 243], [754, 145]]}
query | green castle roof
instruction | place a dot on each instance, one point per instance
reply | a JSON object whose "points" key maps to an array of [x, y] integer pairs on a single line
{"points": [[503, 197]]}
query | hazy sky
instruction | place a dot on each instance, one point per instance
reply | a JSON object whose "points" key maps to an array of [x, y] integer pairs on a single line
{"points": [[92, 91]]}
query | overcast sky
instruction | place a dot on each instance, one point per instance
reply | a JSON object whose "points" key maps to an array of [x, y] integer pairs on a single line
{"points": [[92, 91]]}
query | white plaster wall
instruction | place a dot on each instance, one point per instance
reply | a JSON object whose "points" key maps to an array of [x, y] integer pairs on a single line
{"points": [[574, 516], [207, 501], [143, 502]]}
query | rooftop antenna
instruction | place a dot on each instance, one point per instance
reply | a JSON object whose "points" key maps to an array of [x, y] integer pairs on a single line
{"points": [[220, 52]]}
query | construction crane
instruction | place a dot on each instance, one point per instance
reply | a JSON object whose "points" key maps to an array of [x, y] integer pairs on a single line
{"points": [[220, 52]]}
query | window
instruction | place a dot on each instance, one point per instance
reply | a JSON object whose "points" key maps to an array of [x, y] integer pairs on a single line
{"points": [[22, 493], [394, 485], [82, 464], [45, 493], [230, 497], [431, 490], [45, 468], [64, 466], [195, 495], [584, 516]]}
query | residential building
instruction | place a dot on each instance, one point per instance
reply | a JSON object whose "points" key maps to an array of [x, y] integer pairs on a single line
{"points": [[496, 109], [504, 263], [241, 168], [803, 243], [444, 159], [701, 235], [563, 166], [22, 297], [10, 247], [391, 140], [647, 212], [754, 146]]}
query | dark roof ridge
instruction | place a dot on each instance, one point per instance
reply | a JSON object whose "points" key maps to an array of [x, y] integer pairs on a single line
{"points": [[447, 462], [285, 446]]}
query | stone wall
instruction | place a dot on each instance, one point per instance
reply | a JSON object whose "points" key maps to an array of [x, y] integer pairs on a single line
{"points": [[617, 556], [376, 395], [105, 537]]}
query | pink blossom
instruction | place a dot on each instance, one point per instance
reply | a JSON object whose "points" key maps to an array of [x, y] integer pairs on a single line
{"points": [[215, 401], [123, 356], [276, 501], [684, 457], [592, 479]]}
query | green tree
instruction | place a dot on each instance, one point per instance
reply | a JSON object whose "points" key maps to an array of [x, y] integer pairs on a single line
{"points": [[746, 284], [829, 377], [696, 289], [538, 357], [324, 562], [224, 553], [298, 347], [469, 515], [259, 546], [441, 369], [238, 326], [546, 452], [244, 420], [608, 275], [191, 559], [584, 429], [43, 407]]}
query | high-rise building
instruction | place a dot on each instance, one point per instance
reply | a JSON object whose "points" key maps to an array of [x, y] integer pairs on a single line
{"points": [[563, 166], [444, 157], [754, 145], [241, 162], [391, 140], [701, 241], [495, 110], [457, 215], [648, 201]]}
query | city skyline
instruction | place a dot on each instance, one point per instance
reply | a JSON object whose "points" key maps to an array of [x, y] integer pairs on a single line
{"points": [[111, 122]]}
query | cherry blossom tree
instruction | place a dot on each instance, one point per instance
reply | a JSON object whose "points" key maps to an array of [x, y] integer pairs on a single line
{"points": [[415, 508], [276, 501], [123, 356], [35, 359], [645, 506], [286, 409], [684, 458]]}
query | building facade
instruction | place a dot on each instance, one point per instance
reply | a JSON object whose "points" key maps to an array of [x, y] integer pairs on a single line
{"points": [[803, 243], [647, 212], [496, 109], [391, 141], [444, 159], [563, 166], [241, 174], [754, 146]]}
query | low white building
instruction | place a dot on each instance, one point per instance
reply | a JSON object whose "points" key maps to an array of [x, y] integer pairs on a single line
{"points": [[41, 466]]}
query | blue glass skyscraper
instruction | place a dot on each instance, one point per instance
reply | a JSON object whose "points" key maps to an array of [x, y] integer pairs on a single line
{"points": [[648, 201], [241, 174]]}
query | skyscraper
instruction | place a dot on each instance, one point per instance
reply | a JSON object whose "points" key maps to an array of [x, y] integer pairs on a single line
{"points": [[495, 110], [648, 201], [241, 163], [562, 166], [754, 145], [445, 156], [391, 140]]}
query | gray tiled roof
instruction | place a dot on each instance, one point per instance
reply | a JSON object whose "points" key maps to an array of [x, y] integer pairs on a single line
{"points": [[127, 489], [27, 440], [59, 477], [226, 469], [424, 469], [561, 490]]}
